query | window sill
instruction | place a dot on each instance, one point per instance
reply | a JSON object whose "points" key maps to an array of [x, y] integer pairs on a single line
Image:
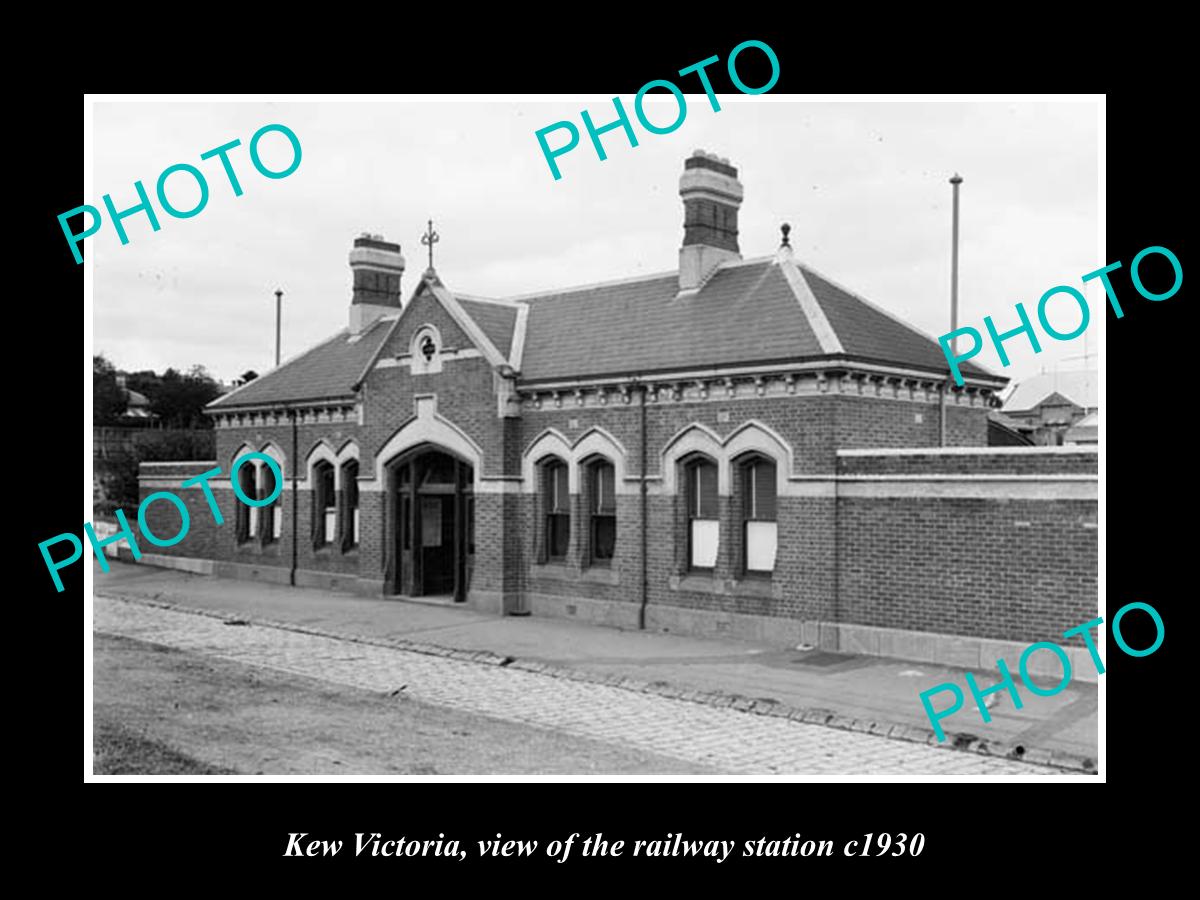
{"points": [[703, 583], [753, 585], [555, 569], [698, 582], [601, 575], [254, 545]]}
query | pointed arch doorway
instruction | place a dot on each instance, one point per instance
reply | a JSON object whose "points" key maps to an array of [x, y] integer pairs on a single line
{"points": [[430, 531]]}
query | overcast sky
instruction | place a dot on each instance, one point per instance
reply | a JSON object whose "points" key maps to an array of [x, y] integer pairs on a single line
{"points": [[864, 186]]}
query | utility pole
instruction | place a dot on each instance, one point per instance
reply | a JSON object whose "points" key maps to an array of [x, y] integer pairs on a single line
{"points": [[955, 182], [278, 317]]}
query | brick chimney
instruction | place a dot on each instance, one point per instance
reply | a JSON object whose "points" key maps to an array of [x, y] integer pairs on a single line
{"points": [[711, 196], [377, 267]]}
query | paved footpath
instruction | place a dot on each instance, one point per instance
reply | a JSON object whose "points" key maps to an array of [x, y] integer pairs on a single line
{"points": [[728, 739]]}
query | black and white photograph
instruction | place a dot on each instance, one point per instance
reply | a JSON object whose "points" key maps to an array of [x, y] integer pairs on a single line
{"points": [[528, 437]]}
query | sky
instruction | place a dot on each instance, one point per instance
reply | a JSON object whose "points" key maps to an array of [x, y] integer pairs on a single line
{"points": [[863, 185]]}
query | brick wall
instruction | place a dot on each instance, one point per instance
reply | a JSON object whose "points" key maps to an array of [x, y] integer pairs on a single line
{"points": [[204, 539], [884, 544], [952, 545]]}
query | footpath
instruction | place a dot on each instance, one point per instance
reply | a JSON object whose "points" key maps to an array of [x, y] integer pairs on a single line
{"points": [[856, 693]]}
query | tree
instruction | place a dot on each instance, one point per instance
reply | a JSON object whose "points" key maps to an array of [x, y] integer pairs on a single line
{"points": [[108, 399], [144, 382], [179, 399]]}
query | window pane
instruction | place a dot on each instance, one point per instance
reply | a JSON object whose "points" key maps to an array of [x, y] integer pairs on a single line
{"points": [[562, 488], [604, 487], [326, 486], [330, 525], [604, 537], [246, 480], [759, 486], [760, 546], [276, 522], [558, 488], [558, 533], [355, 537], [706, 476], [705, 537], [266, 481], [253, 530], [438, 470]]}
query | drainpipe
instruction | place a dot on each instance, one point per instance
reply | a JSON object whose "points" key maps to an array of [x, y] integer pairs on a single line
{"points": [[295, 495], [644, 488]]}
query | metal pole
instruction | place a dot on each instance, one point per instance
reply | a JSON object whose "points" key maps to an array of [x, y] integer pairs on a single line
{"points": [[955, 181], [278, 314]]}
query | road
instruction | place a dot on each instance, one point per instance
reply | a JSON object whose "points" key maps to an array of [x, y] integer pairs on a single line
{"points": [[600, 728]]}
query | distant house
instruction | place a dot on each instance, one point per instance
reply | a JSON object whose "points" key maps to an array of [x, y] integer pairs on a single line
{"points": [[137, 405], [1046, 406], [1085, 431]]}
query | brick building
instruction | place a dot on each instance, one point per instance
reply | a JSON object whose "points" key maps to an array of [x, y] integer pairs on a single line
{"points": [[740, 446]]}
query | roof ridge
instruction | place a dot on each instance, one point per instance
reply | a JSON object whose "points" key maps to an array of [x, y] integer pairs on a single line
{"points": [[810, 306], [575, 289], [891, 315], [507, 304]]}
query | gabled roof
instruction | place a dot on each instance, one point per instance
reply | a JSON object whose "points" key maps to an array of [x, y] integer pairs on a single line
{"points": [[1081, 387], [496, 319], [1086, 430], [325, 372], [760, 311], [757, 311]]}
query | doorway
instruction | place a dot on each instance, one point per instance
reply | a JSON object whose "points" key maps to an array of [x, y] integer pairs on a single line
{"points": [[431, 538]]}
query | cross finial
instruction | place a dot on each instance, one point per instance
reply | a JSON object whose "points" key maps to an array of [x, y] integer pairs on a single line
{"points": [[785, 228], [429, 238]]}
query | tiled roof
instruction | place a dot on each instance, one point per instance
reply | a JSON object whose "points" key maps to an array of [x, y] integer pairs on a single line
{"points": [[1086, 430], [869, 333], [324, 372], [746, 313], [1081, 387], [497, 320]]}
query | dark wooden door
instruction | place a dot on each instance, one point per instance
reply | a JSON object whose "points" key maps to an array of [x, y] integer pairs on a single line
{"points": [[436, 515]]}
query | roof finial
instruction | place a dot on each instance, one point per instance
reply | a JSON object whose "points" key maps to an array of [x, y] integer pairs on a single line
{"points": [[785, 228], [429, 238]]}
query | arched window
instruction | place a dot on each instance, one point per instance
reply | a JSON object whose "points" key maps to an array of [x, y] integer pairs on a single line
{"points": [[759, 528], [602, 511], [271, 516], [247, 516], [350, 505], [704, 527], [324, 504], [557, 504]]}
